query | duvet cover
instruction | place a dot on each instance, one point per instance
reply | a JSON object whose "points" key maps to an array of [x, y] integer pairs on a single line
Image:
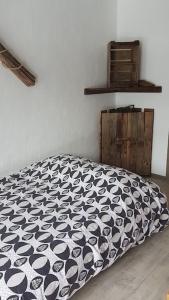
{"points": [[65, 219]]}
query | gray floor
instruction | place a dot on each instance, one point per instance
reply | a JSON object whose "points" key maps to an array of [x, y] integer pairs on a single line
{"points": [[142, 274]]}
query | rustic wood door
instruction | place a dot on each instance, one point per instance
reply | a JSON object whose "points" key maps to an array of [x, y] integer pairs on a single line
{"points": [[126, 140]]}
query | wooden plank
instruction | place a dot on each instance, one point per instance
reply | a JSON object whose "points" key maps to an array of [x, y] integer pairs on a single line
{"points": [[115, 131], [128, 44], [121, 138], [140, 144], [11, 63], [108, 147], [123, 63], [126, 140], [105, 147], [148, 137], [132, 141], [168, 161], [140, 88], [101, 134], [113, 139]]}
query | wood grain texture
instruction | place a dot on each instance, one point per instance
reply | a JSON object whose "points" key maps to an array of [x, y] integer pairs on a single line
{"points": [[132, 133], [123, 63], [148, 139], [126, 140], [11, 63], [141, 87]]}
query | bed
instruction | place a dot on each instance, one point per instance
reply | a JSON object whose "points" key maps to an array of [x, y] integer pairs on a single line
{"points": [[65, 219]]}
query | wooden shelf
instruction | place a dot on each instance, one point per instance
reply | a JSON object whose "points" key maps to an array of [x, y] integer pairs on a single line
{"points": [[142, 87]]}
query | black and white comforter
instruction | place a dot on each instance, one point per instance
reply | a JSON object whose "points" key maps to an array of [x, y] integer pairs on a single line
{"points": [[65, 219]]}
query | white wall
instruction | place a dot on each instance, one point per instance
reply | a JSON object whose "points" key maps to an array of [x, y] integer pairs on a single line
{"points": [[64, 43], [148, 21]]}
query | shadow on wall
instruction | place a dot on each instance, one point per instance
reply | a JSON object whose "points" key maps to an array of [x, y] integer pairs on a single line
{"points": [[77, 146]]}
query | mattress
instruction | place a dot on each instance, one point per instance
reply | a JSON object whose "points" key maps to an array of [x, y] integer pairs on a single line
{"points": [[65, 219]]}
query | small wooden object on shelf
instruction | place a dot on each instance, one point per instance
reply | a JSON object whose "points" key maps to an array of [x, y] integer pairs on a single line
{"points": [[123, 63], [11, 63], [124, 71]]}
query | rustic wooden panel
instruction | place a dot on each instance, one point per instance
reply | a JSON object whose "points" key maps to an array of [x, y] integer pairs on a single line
{"points": [[105, 142], [120, 76], [121, 68], [114, 129], [140, 144], [115, 148], [121, 139], [126, 140], [123, 63], [108, 132], [148, 136], [118, 54], [132, 141]]}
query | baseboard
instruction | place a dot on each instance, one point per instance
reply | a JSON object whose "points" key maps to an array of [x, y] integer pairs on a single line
{"points": [[159, 176]]}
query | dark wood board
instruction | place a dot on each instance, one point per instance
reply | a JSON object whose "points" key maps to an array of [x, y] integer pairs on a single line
{"points": [[142, 87], [126, 140], [123, 63]]}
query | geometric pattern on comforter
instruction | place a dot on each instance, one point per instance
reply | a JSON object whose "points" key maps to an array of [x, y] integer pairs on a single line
{"points": [[65, 219]]}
